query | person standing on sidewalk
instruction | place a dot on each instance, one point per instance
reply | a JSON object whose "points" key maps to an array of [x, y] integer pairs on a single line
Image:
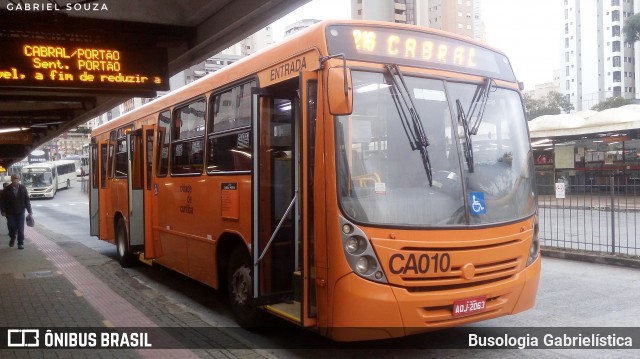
{"points": [[13, 202]]}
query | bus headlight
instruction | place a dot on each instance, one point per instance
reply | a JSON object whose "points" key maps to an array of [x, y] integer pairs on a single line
{"points": [[360, 254], [355, 245], [534, 249]]}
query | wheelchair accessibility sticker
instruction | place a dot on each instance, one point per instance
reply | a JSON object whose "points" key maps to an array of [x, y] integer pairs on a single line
{"points": [[477, 204]]}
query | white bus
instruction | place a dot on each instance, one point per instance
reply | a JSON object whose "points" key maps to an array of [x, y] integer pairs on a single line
{"points": [[43, 179], [82, 163]]}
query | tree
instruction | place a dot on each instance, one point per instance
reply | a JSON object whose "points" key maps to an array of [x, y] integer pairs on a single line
{"points": [[611, 102], [558, 100], [631, 28], [553, 104]]}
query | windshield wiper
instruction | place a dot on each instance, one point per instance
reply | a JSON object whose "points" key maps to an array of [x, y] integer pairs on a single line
{"points": [[467, 147], [412, 124], [479, 103], [480, 98]]}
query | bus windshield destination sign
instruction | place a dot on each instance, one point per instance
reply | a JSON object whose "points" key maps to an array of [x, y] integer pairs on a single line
{"points": [[415, 48], [71, 65]]}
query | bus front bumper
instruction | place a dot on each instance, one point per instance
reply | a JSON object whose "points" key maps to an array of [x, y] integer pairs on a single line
{"points": [[41, 195], [365, 310]]}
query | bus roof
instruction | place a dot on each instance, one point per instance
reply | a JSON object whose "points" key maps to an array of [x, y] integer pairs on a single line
{"points": [[49, 164], [312, 38]]}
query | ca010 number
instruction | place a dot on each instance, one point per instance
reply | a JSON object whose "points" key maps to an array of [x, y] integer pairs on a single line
{"points": [[420, 264]]}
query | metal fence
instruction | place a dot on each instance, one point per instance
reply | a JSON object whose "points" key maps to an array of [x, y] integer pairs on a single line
{"points": [[598, 218]]}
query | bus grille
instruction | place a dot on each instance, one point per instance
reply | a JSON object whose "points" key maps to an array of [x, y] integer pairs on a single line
{"points": [[486, 273], [492, 263]]}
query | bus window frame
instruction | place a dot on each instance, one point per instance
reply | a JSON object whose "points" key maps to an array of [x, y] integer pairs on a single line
{"points": [[190, 140], [121, 136], [104, 155], [111, 155], [93, 163], [163, 140], [212, 133]]}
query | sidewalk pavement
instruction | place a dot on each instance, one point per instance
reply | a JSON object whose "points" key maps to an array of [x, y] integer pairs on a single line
{"points": [[591, 201], [56, 283]]}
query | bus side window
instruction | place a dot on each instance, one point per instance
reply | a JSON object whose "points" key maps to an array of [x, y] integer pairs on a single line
{"points": [[103, 166], [164, 123], [122, 168], [229, 137], [111, 154], [94, 161], [188, 138]]}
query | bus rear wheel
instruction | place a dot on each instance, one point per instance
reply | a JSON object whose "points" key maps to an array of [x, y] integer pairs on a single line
{"points": [[125, 257], [240, 290]]}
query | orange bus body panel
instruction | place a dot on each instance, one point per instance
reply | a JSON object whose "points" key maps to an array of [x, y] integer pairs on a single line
{"points": [[195, 215]]}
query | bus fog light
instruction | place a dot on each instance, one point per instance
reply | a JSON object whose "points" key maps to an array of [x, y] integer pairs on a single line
{"points": [[365, 264]]}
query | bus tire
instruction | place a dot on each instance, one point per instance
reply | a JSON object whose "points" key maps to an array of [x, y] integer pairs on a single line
{"points": [[125, 257], [240, 290]]}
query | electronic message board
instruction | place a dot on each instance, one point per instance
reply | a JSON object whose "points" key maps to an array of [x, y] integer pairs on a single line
{"points": [[416, 48], [34, 63]]}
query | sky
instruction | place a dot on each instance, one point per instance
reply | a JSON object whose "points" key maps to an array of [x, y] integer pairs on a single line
{"points": [[529, 32]]}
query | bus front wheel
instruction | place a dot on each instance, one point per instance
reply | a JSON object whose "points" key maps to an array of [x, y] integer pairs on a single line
{"points": [[125, 257], [240, 290]]}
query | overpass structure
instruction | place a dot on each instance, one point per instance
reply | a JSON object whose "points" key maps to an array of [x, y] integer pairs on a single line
{"points": [[43, 42]]}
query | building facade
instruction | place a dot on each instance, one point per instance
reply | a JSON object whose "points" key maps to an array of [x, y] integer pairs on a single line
{"points": [[541, 91], [597, 63], [299, 25], [382, 10], [251, 44], [462, 17]]}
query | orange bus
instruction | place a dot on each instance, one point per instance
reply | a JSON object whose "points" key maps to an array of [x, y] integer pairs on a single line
{"points": [[362, 179]]}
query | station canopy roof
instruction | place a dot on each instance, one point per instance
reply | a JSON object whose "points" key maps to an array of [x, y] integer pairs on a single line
{"points": [[585, 123], [172, 34]]}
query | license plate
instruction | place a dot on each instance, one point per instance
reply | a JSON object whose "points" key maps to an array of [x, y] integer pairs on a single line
{"points": [[469, 306]]}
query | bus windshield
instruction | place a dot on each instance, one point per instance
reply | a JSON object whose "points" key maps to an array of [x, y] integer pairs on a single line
{"points": [[381, 180], [37, 179]]}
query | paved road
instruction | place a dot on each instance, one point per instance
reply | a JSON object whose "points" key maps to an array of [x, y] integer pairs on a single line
{"points": [[571, 294]]}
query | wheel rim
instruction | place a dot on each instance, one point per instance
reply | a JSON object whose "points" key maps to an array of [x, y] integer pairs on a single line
{"points": [[240, 285]]}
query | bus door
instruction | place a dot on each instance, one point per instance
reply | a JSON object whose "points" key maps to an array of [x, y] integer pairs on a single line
{"points": [[306, 272], [93, 185], [284, 263], [139, 159], [152, 247], [276, 226], [103, 198]]}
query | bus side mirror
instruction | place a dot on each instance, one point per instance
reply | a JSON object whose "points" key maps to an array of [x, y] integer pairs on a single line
{"points": [[340, 91]]}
